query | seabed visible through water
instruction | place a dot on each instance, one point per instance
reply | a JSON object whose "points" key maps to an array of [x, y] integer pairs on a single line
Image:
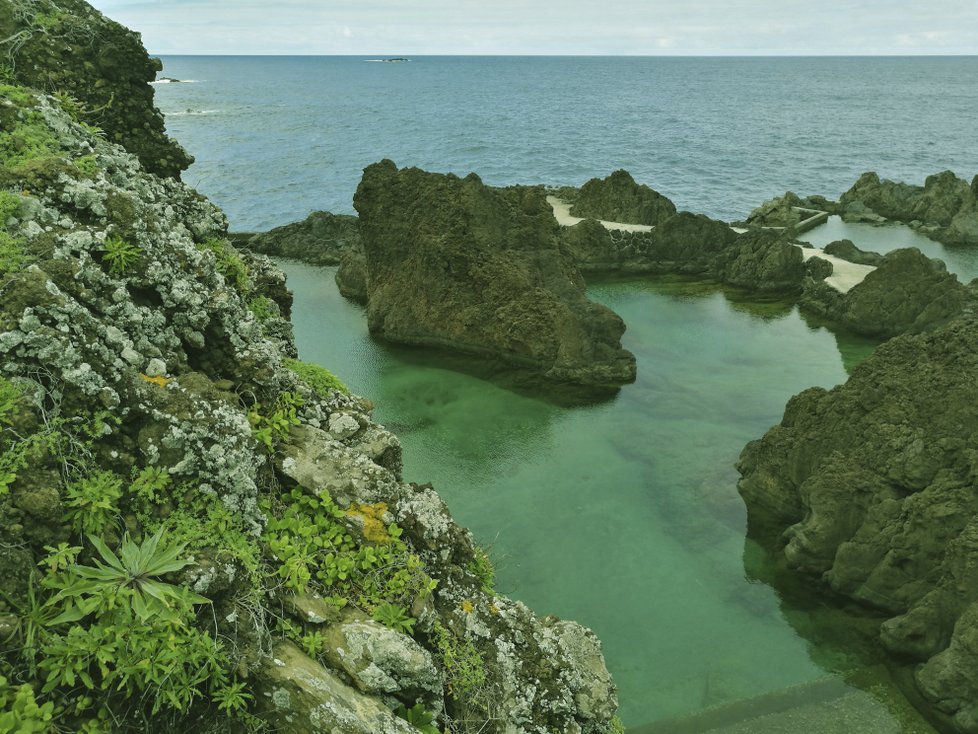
{"points": [[624, 515]]}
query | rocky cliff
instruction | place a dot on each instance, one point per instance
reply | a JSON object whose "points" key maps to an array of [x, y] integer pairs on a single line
{"points": [[453, 263], [944, 208], [97, 68], [197, 530], [870, 488]]}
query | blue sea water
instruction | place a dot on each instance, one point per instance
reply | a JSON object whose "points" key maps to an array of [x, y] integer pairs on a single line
{"points": [[623, 515]]}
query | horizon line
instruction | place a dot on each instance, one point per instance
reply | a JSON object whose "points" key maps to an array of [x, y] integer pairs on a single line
{"points": [[589, 55]]}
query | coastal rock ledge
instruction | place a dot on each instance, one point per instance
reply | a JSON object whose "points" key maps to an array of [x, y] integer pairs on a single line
{"points": [[453, 263], [871, 487]]}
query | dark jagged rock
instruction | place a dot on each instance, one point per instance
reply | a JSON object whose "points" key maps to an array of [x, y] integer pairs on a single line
{"points": [[847, 250], [908, 292], [871, 487], [456, 264], [944, 208], [777, 212], [69, 48], [618, 198], [762, 261], [690, 244], [319, 239]]}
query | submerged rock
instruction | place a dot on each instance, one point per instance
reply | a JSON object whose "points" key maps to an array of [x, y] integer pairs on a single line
{"points": [[871, 487], [618, 198], [455, 264]]}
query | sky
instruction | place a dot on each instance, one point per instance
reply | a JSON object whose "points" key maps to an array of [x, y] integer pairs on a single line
{"points": [[552, 27]]}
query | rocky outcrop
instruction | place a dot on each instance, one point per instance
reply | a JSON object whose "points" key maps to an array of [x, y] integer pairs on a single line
{"points": [[146, 392], [351, 276], [455, 264], [690, 244], [871, 488], [908, 292], [944, 208], [319, 239], [618, 198], [98, 68], [778, 212]]}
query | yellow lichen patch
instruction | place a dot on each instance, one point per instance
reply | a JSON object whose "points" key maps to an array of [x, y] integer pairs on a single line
{"points": [[372, 516], [468, 607], [158, 380]]}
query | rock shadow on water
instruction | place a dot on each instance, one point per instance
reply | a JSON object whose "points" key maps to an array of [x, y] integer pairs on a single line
{"points": [[501, 374]]}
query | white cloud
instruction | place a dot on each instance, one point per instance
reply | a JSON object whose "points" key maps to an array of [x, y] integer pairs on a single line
{"points": [[552, 26]]}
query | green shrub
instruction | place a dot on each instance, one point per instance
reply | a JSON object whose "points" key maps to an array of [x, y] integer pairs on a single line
{"points": [[92, 501], [481, 568], [19, 711], [261, 307], [12, 257], [272, 426], [9, 206], [320, 379]]}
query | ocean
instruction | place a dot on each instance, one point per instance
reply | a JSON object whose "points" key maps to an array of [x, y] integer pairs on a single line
{"points": [[623, 515]]}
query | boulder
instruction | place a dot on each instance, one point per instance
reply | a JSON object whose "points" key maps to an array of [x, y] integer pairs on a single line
{"points": [[688, 243], [870, 487], [319, 239], [618, 198], [296, 694], [455, 264], [70, 49], [381, 660]]}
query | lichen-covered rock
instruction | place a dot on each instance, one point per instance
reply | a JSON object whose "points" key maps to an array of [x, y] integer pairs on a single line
{"points": [[777, 212], [453, 263], [944, 207], [320, 239], [618, 198], [67, 47], [908, 292], [871, 487], [297, 694], [381, 660]]}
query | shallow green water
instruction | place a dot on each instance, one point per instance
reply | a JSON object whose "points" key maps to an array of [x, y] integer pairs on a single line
{"points": [[882, 238], [622, 515]]}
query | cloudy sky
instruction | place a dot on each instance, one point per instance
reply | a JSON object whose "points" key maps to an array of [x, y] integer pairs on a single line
{"points": [[634, 27]]}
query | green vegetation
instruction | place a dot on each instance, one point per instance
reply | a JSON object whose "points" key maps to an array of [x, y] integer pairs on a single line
{"points": [[462, 662], [261, 307], [229, 263], [320, 379], [93, 501], [419, 717], [26, 141], [481, 568], [394, 616], [86, 165], [271, 427], [19, 711], [120, 254], [12, 256]]}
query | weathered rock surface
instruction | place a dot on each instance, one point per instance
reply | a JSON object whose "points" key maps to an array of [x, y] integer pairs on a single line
{"points": [[297, 694], [618, 198], [777, 212], [67, 47], [871, 487], [321, 238], [453, 263], [908, 292], [944, 208]]}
